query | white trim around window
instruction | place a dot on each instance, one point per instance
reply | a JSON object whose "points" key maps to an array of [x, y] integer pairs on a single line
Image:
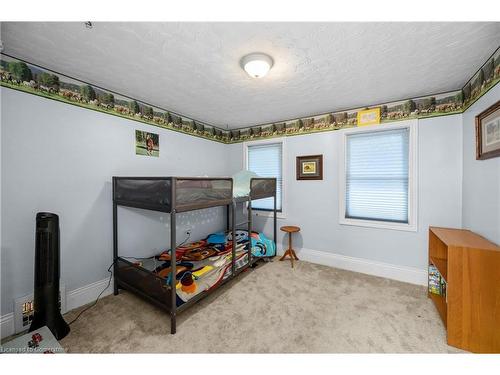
{"points": [[257, 212], [412, 125]]}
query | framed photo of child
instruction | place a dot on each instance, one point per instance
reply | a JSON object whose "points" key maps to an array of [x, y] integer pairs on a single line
{"points": [[310, 167], [147, 144]]}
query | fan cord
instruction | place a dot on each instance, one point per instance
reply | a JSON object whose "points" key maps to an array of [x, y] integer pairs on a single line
{"points": [[109, 282], [99, 296]]}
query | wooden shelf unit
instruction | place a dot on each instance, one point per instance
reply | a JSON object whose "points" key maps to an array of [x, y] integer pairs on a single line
{"points": [[470, 265]]}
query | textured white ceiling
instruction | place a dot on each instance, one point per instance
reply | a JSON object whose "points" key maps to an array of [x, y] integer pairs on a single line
{"points": [[193, 68]]}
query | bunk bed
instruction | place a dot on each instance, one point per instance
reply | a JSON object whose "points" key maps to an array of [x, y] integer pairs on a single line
{"points": [[176, 195]]}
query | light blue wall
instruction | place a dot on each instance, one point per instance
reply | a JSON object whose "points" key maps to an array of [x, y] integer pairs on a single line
{"points": [[481, 178], [313, 205], [60, 158]]}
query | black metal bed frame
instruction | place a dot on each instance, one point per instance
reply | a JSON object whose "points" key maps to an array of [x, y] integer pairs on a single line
{"points": [[171, 305]]}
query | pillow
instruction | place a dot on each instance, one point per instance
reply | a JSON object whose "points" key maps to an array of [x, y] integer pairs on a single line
{"points": [[241, 183]]}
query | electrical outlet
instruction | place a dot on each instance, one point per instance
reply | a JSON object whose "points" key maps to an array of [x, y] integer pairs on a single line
{"points": [[24, 309]]}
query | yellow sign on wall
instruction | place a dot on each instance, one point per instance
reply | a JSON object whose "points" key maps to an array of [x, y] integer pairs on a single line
{"points": [[369, 117]]}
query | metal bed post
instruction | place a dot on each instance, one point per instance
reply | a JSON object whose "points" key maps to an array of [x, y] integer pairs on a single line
{"points": [[249, 230], [275, 221], [115, 241], [173, 260], [233, 236], [115, 248]]}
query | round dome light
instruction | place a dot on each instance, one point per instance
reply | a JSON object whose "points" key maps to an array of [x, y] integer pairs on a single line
{"points": [[256, 64]]}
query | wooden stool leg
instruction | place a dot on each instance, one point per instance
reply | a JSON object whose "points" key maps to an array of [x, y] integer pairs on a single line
{"points": [[287, 251], [290, 252]]}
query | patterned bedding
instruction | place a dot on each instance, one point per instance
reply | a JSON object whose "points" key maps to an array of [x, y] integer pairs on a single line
{"points": [[204, 264]]}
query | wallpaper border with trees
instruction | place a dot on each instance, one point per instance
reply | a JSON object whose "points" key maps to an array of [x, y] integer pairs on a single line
{"points": [[23, 76], [33, 79], [444, 104]]}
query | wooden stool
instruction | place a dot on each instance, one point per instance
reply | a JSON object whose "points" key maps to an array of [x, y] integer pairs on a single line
{"points": [[291, 252]]}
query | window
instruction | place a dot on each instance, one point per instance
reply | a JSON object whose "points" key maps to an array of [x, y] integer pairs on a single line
{"points": [[378, 182], [266, 160]]}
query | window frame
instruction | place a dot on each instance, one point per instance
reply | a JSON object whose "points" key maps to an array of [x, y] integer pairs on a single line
{"points": [[411, 226], [282, 141]]}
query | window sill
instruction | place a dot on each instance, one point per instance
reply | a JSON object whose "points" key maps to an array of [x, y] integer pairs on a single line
{"points": [[379, 224]]}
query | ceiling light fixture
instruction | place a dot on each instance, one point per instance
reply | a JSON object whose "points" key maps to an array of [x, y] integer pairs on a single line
{"points": [[256, 64]]}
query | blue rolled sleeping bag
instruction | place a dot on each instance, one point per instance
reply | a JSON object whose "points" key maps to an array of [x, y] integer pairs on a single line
{"points": [[262, 246]]}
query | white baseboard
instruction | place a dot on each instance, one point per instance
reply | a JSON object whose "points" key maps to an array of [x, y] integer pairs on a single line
{"points": [[390, 271], [7, 325], [87, 294], [74, 299]]}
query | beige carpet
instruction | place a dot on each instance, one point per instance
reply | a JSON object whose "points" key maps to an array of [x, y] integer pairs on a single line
{"points": [[272, 309]]}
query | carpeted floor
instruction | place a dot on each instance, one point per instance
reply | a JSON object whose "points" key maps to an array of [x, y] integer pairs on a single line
{"points": [[272, 309]]}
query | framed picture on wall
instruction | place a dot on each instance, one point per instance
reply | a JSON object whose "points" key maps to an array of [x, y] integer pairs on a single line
{"points": [[488, 133], [147, 144], [310, 167]]}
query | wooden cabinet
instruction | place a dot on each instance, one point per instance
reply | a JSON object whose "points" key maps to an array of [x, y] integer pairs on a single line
{"points": [[470, 310]]}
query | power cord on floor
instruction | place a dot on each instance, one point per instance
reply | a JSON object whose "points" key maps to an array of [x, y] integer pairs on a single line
{"points": [[99, 296], [109, 281]]}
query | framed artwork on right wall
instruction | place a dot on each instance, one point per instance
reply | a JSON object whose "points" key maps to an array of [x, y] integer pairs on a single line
{"points": [[310, 167], [488, 133]]}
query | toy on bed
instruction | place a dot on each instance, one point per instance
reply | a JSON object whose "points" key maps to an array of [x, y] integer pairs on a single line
{"points": [[187, 283]]}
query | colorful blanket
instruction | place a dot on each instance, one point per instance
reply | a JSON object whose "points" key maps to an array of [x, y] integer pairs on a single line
{"points": [[204, 264]]}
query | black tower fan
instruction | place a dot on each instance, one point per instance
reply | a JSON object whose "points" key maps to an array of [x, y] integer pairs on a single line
{"points": [[47, 271]]}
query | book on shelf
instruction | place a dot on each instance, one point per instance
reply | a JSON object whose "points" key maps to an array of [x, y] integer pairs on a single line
{"points": [[437, 284]]}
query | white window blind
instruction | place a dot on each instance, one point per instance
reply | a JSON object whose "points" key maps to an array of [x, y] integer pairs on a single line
{"points": [[265, 160], [377, 176]]}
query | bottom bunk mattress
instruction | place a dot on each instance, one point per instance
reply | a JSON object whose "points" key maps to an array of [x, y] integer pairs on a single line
{"points": [[204, 264]]}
